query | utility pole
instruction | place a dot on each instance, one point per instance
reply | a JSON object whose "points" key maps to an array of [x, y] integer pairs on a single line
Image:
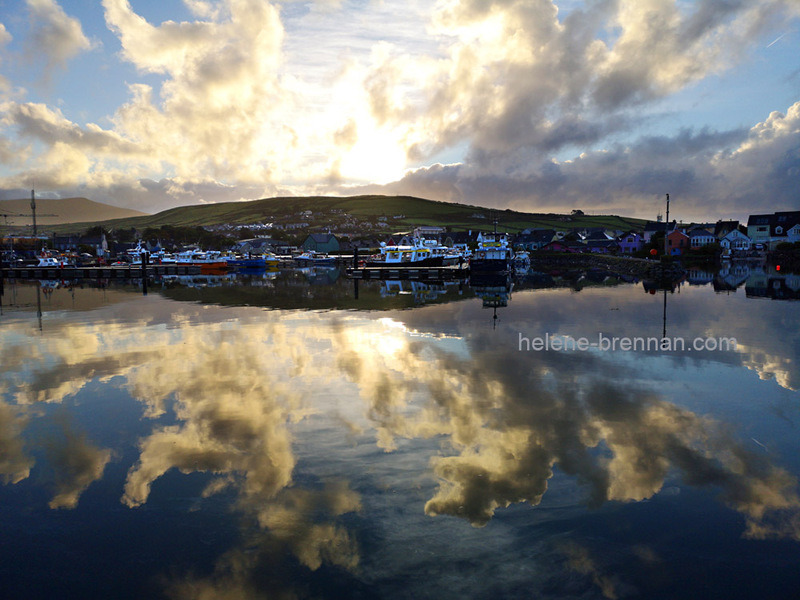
{"points": [[33, 212]]}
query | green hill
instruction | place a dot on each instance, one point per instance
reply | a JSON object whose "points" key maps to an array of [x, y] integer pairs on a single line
{"points": [[398, 212]]}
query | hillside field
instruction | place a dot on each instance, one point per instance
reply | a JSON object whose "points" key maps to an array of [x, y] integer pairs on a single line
{"points": [[401, 213]]}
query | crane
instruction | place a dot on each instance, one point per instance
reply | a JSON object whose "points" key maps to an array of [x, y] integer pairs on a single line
{"points": [[32, 215]]}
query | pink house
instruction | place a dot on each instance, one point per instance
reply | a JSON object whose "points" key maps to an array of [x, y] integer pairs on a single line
{"points": [[677, 243]]}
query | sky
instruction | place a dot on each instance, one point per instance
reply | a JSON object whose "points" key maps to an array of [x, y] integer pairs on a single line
{"points": [[537, 105]]}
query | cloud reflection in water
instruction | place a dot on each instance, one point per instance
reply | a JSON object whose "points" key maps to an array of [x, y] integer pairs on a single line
{"points": [[235, 382]]}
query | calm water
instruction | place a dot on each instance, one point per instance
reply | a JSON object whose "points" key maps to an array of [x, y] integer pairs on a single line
{"points": [[293, 436]]}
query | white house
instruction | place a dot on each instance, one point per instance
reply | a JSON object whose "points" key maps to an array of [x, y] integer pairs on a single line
{"points": [[773, 229], [735, 241], [701, 237]]}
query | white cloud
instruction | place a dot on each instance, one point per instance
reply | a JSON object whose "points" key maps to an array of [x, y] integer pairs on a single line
{"points": [[55, 37]]}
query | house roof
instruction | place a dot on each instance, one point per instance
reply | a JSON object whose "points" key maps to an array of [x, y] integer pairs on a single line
{"points": [[733, 233], [758, 220], [678, 232], [785, 220], [322, 238], [657, 226], [537, 235], [723, 227], [601, 243]]}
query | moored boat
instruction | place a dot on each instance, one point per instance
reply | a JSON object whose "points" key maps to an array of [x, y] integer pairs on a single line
{"points": [[421, 253], [260, 261], [310, 257], [210, 260], [493, 253]]}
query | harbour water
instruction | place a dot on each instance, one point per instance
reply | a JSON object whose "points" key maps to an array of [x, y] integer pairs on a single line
{"points": [[300, 435]]}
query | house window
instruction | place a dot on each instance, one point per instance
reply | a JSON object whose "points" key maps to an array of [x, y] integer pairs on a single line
{"points": [[779, 230]]}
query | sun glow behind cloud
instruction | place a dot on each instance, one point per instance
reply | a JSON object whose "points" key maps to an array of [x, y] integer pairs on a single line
{"points": [[244, 98]]}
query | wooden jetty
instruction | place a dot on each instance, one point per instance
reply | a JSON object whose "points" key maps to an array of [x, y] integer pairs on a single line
{"points": [[419, 274], [69, 272]]}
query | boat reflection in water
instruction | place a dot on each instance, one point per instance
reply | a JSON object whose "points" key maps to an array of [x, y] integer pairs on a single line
{"points": [[378, 448]]}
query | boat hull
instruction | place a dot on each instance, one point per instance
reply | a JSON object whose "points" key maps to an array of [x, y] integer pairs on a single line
{"points": [[433, 261], [314, 262], [489, 265]]}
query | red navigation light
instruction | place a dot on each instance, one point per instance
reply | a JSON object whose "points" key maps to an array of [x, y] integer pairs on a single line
{"points": [[777, 267]]}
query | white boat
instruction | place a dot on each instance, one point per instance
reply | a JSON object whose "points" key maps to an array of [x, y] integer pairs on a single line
{"points": [[135, 255], [521, 261], [50, 262], [493, 253], [211, 260], [422, 253], [311, 257]]}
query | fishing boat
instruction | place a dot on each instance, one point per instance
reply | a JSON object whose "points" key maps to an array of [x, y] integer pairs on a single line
{"points": [[493, 252], [48, 259], [208, 261], [421, 253], [50, 262], [137, 253], [259, 261], [311, 257]]}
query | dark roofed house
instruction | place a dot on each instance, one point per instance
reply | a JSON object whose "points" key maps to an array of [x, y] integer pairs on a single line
{"points": [[460, 238], [565, 246], [256, 245], [535, 240], [723, 228], [321, 242], [773, 229], [653, 227], [758, 227], [787, 226], [602, 246]]}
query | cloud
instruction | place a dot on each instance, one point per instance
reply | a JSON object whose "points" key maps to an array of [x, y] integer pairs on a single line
{"points": [[221, 93], [55, 37], [15, 465], [723, 174], [76, 463], [507, 420], [504, 419]]}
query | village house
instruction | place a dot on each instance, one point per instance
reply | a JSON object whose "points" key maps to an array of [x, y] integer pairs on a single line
{"points": [[701, 237], [564, 246], [534, 239], [653, 227], [630, 242], [602, 246], [723, 228], [735, 241], [771, 230], [321, 242], [73, 242], [677, 242], [460, 240], [257, 245]]}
